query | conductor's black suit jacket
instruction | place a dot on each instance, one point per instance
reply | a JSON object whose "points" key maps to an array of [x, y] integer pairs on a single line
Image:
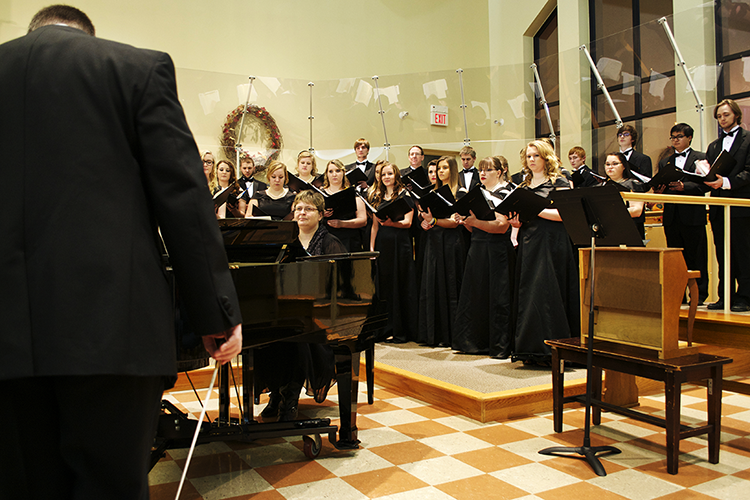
{"points": [[96, 153]]}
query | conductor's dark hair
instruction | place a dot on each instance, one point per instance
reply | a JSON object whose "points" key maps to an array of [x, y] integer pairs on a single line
{"points": [[682, 128], [63, 14]]}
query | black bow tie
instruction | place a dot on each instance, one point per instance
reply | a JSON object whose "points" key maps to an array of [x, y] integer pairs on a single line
{"points": [[361, 163], [683, 154], [627, 151], [728, 134], [470, 170]]}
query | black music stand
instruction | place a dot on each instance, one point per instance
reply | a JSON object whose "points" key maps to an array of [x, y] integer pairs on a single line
{"points": [[593, 213]]}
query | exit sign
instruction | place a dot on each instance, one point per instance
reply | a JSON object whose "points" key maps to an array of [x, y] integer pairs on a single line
{"points": [[439, 115]]}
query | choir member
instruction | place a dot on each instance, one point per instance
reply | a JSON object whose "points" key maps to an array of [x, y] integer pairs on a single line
{"points": [[248, 183], [483, 321], [306, 168], [396, 278], [627, 137], [432, 171], [345, 226], [685, 225], [469, 176], [277, 200], [577, 159], [208, 166], [226, 178], [442, 265], [361, 150], [736, 184], [618, 170], [546, 301], [284, 369], [416, 157]]}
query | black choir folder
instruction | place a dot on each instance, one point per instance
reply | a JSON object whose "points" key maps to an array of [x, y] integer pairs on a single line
{"points": [[394, 209], [723, 164], [342, 203], [356, 176], [221, 197], [297, 185], [523, 202], [418, 182], [440, 202], [476, 200]]}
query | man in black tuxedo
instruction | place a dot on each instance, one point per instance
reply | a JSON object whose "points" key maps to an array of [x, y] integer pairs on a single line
{"points": [[362, 149], [627, 137], [577, 159], [685, 225], [248, 182], [416, 157], [468, 178], [87, 333], [736, 141]]}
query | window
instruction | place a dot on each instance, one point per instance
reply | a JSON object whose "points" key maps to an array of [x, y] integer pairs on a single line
{"points": [[636, 61], [546, 58]]}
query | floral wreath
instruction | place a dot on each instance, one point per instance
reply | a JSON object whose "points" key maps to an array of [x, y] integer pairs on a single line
{"points": [[228, 136]]}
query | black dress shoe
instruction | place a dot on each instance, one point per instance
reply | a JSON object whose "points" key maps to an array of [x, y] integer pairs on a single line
{"points": [[739, 307], [272, 408], [716, 306]]}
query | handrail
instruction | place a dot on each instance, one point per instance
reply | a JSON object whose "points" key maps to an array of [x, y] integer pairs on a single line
{"points": [[727, 203]]}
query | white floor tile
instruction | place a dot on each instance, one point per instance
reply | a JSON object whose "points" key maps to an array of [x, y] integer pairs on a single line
{"points": [[635, 485], [396, 417], [725, 488], [327, 489], [535, 478], [456, 442], [362, 461], [440, 470]]}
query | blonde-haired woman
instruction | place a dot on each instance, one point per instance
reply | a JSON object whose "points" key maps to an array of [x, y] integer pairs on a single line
{"points": [[306, 167], [546, 301], [442, 265], [276, 200]]}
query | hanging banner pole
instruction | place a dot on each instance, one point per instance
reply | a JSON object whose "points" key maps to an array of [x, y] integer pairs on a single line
{"points": [[698, 103], [460, 72], [386, 145], [543, 102], [238, 142], [311, 117], [602, 87]]}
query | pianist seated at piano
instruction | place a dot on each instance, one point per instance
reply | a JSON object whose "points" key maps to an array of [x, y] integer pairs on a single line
{"points": [[285, 368], [275, 201], [226, 178], [345, 226]]}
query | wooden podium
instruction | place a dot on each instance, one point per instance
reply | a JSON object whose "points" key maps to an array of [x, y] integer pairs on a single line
{"points": [[637, 301]]}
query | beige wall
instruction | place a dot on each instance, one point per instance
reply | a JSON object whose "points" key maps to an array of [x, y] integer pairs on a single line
{"points": [[414, 46]]}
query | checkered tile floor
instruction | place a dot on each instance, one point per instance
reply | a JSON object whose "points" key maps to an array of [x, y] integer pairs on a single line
{"points": [[413, 450]]}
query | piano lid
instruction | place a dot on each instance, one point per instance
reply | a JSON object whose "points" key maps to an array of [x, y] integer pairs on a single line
{"points": [[259, 240]]}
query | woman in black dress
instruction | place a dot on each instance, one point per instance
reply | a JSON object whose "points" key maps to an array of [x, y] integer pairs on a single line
{"points": [[546, 301], [285, 368], [276, 201], [345, 226], [442, 266], [432, 171], [483, 321], [307, 169], [618, 170], [395, 280], [225, 177]]}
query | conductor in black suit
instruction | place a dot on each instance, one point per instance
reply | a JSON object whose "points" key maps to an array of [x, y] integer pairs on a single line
{"points": [[627, 138], [362, 149], [685, 225], [87, 332], [468, 178], [736, 141]]}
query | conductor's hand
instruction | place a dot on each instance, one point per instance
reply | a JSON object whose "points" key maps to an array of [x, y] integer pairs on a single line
{"points": [[229, 349]]}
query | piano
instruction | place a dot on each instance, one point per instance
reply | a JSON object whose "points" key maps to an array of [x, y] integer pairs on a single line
{"points": [[285, 296]]}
